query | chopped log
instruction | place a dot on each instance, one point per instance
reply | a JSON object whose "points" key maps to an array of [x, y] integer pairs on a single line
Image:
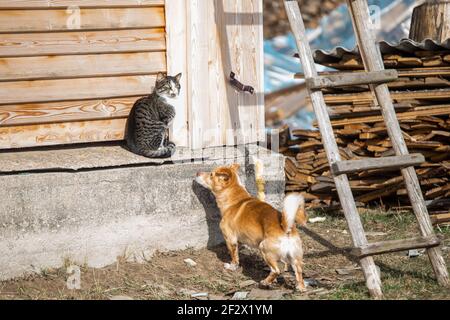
{"points": [[430, 21]]}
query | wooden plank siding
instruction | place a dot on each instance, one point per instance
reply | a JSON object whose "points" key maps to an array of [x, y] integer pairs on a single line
{"points": [[82, 42], [225, 36], [62, 133], [70, 70], [63, 82], [39, 4], [80, 66], [176, 39], [89, 19]]}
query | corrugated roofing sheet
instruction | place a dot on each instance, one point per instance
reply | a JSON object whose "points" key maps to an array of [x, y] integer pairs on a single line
{"points": [[405, 46]]}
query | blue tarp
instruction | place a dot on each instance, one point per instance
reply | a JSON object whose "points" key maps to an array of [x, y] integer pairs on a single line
{"points": [[336, 30]]}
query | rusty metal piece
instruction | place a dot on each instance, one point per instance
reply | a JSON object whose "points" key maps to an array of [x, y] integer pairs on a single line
{"points": [[239, 85]]}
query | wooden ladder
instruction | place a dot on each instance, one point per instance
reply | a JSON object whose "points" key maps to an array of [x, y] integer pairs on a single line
{"points": [[377, 77]]}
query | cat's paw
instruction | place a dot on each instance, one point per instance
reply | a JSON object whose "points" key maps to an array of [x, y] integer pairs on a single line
{"points": [[172, 148]]}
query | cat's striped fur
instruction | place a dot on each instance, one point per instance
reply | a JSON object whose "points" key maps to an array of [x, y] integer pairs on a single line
{"points": [[147, 131]]}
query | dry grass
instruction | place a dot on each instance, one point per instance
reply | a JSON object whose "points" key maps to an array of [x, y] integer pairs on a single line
{"points": [[166, 276]]}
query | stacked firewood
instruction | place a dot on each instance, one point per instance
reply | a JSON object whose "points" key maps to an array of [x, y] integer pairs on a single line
{"points": [[421, 96], [276, 22]]}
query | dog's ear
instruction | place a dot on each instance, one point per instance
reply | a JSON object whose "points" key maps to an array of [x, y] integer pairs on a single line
{"points": [[225, 176], [235, 167]]}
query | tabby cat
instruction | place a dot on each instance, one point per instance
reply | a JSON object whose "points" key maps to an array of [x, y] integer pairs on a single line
{"points": [[147, 132]]}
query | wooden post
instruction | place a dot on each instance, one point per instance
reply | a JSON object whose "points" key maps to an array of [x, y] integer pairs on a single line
{"points": [[342, 184], [359, 11], [431, 21], [177, 62]]}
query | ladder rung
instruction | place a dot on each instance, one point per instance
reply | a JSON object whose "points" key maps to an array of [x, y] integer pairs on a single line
{"points": [[382, 247], [351, 79], [349, 166]]}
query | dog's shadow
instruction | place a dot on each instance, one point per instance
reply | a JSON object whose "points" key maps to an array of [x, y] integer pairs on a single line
{"points": [[252, 264]]}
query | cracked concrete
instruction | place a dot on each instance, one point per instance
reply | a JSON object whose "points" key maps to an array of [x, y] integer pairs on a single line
{"points": [[92, 217]]}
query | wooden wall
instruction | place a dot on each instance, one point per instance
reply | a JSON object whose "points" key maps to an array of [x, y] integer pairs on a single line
{"points": [[71, 70], [224, 36]]}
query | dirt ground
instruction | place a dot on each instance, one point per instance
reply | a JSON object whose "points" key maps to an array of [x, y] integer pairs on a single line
{"points": [[329, 270]]}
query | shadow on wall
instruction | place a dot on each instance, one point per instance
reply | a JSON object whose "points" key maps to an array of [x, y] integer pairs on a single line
{"points": [[212, 212]]}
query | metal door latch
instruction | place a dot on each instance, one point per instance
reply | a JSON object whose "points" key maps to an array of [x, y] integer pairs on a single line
{"points": [[239, 85]]}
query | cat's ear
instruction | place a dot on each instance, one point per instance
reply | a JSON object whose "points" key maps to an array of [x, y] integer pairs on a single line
{"points": [[178, 77], [160, 76]]}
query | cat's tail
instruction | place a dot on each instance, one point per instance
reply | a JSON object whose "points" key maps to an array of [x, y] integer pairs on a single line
{"points": [[163, 152]]}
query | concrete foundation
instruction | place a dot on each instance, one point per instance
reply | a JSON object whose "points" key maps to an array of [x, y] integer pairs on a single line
{"points": [[92, 214]]}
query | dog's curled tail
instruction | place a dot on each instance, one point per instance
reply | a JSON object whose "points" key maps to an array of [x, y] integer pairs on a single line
{"points": [[293, 212]]}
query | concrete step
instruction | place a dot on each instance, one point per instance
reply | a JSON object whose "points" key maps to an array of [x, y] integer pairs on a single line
{"points": [[93, 215]]}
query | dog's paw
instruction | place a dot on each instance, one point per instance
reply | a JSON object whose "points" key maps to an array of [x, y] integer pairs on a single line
{"points": [[263, 284], [300, 288], [231, 266]]}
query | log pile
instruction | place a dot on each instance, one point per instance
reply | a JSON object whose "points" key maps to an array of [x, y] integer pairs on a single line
{"points": [[421, 96], [276, 22]]}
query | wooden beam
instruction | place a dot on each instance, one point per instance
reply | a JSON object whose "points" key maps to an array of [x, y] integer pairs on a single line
{"points": [[349, 166], [407, 73], [373, 61], [351, 79], [82, 42], [75, 89], [372, 277], [82, 66], [429, 111], [366, 97], [64, 111], [390, 246], [89, 19], [176, 37], [62, 133], [430, 21], [40, 4]]}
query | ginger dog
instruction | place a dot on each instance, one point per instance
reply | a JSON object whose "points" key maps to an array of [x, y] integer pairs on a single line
{"points": [[255, 223]]}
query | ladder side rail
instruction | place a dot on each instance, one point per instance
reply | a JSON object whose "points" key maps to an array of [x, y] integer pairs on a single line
{"points": [[372, 59], [372, 277]]}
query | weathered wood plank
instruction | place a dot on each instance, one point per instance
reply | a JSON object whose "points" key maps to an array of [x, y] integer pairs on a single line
{"points": [[74, 89], [176, 16], [407, 73], [62, 133], [252, 59], [430, 21], [87, 19], [351, 79], [349, 166], [381, 247], [21, 114], [434, 111], [366, 97], [198, 73], [226, 31], [39, 4], [373, 61], [74, 42], [80, 66], [372, 277]]}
